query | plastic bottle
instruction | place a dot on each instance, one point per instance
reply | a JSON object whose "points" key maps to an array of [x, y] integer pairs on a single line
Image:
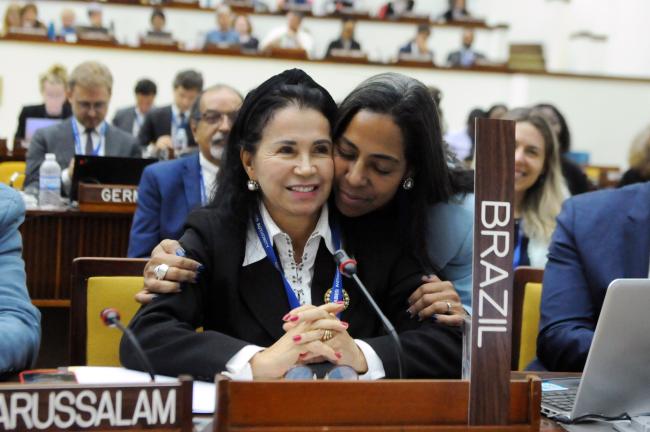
{"points": [[49, 191]]}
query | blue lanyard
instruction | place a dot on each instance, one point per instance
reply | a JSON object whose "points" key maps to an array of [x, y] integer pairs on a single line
{"points": [[518, 247], [77, 139], [262, 234]]}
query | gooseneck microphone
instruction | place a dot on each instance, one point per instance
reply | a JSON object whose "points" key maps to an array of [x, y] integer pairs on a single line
{"points": [[111, 318], [348, 267]]}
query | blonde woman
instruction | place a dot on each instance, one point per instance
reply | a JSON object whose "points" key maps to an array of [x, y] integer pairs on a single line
{"points": [[53, 87], [539, 186], [12, 18], [639, 160]]}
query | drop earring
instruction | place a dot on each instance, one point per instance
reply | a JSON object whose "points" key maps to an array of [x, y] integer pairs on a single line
{"points": [[408, 183]]}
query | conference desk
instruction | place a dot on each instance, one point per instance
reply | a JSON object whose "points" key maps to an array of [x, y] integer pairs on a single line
{"points": [[52, 239]]}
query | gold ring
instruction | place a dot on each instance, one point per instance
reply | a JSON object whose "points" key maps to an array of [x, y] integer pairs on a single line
{"points": [[327, 335]]}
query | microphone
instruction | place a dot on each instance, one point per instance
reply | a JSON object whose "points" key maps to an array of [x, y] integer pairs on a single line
{"points": [[111, 318], [348, 267]]}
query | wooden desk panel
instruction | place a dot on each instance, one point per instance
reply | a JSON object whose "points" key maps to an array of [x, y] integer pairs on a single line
{"points": [[51, 240]]}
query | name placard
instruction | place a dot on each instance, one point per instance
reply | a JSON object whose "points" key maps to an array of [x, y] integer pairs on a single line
{"points": [[108, 198], [492, 273], [161, 406]]}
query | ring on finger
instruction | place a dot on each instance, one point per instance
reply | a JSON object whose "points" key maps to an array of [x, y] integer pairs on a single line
{"points": [[327, 335], [448, 309], [160, 271]]}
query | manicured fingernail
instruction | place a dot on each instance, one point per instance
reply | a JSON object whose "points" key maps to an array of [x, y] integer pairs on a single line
{"points": [[434, 318], [297, 338], [286, 317], [410, 312], [180, 252], [338, 355], [344, 324], [294, 318], [200, 269]]}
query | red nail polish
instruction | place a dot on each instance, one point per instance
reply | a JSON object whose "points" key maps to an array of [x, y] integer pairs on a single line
{"points": [[344, 324], [338, 355], [294, 318], [297, 338], [286, 317]]}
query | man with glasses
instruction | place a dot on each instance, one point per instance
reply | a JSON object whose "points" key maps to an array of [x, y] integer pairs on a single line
{"points": [[169, 190], [85, 133]]}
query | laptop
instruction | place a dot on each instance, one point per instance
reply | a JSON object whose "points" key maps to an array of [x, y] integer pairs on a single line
{"points": [[32, 124], [106, 170], [616, 377]]}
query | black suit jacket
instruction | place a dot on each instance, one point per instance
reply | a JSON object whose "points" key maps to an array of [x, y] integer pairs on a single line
{"points": [[38, 111], [158, 122], [338, 44], [239, 306]]}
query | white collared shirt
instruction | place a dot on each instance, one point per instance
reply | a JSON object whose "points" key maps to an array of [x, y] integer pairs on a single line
{"points": [[208, 175], [66, 180], [300, 277]]}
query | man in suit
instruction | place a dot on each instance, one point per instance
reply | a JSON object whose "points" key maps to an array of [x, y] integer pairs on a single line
{"points": [[600, 236], [346, 41], [466, 56], [20, 321], [168, 128], [86, 132], [130, 119], [418, 46], [168, 190]]}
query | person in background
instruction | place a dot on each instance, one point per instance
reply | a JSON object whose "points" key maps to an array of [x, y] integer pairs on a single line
{"points": [[53, 87], [600, 236], [130, 119], [168, 127], [346, 40], [461, 142], [466, 56], [157, 22], [20, 321], [11, 18], [85, 133], [639, 160], [224, 34], [95, 16], [418, 46], [456, 12], [497, 111], [539, 186], [575, 177], [395, 9], [29, 17], [244, 29], [169, 190], [289, 36], [68, 30]]}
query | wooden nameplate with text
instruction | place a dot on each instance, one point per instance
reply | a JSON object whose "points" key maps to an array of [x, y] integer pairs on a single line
{"points": [[107, 198], [354, 406], [85, 407]]}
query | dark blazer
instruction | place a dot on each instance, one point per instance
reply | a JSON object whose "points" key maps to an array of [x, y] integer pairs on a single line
{"points": [[167, 192], [238, 306], [124, 119], [59, 139], [158, 122], [338, 44], [38, 111], [250, 45], [600, 236]]}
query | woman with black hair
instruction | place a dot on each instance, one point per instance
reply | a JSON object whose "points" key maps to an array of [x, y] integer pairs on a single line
{"points": [[267, 242]]}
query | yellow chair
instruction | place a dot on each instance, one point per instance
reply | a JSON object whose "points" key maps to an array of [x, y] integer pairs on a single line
{"points": [[99, 283], [8, 169], [526, 307]]}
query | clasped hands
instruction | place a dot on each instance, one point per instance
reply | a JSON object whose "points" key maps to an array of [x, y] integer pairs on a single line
{"points": [[303, 343]]}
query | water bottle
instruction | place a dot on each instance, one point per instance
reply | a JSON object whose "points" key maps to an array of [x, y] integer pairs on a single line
{"points": [[49, 191], [180, 140]]}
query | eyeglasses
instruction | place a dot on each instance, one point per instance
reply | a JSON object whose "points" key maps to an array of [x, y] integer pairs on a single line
{"points": [[87, 106], [303, 372], [213, 117]]}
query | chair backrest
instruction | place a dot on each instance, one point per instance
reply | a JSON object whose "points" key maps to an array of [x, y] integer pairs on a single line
{"points": [[525, 315], [9, 168], [99, 283]]}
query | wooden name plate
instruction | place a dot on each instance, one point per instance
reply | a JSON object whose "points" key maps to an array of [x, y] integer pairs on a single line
{"points": [[355, 406], [107, 198], [130, 407]]}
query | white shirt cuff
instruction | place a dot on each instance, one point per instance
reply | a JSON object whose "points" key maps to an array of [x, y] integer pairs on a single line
{"points": [[375, 365], [239, 367], [65, 178]]}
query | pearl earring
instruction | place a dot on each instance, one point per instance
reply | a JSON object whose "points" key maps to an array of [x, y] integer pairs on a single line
{"points": [[252, 185], [408, 183]]}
